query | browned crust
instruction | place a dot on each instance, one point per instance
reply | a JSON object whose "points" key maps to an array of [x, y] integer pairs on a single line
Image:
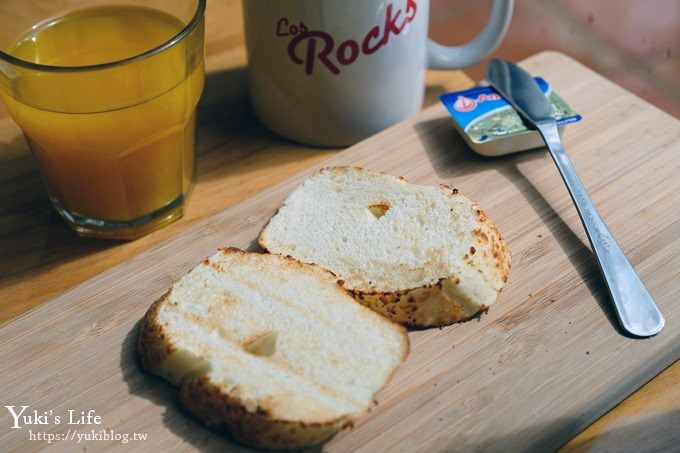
{"points": [[427, 306], [153, 345], [351, 169], [492, 245], [257, 428], [220, 410]]}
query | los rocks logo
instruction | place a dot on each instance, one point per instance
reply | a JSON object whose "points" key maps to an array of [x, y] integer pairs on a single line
{"points": [[317, 49]]}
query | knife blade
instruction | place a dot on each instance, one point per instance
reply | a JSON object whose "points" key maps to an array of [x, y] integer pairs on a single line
{"points": [[521, 90]]}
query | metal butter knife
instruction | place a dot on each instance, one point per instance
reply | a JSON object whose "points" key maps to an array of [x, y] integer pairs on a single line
{"points": [[636, 310]]}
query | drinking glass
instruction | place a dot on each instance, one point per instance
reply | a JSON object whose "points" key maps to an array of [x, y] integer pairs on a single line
{"points": [[106, 94]]}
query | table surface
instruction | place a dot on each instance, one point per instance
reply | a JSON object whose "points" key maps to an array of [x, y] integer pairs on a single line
{"points": [[41, 258]]}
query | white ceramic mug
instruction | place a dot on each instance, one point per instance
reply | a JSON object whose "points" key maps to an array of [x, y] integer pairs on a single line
{"points": [[332, 72]]}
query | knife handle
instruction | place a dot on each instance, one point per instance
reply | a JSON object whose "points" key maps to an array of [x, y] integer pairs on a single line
{"points": [[636, 310]]}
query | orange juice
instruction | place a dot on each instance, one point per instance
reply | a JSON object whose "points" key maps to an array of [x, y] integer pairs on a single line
{"points": [[114, 139]]}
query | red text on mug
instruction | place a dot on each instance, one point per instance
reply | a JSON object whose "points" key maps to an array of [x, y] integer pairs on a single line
{"points": [[312, 48]]}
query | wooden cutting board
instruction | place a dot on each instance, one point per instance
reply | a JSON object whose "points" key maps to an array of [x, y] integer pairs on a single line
{"points": [[545, 362]]}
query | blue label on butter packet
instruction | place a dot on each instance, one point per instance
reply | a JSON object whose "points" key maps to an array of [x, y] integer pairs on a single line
{"points": [[484, 115]]}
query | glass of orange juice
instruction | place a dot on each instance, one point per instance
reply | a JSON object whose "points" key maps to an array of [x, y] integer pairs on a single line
{"points": [[106, 96]]}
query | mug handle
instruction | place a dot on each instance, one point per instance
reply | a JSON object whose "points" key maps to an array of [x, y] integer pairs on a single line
{"points": [[443, 57]]}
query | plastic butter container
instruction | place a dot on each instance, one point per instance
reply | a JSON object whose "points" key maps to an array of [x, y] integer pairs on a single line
{"points": [[492, 127]]}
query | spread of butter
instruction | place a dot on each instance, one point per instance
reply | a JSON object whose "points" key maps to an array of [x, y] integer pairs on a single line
{"points": [[490, 125]]}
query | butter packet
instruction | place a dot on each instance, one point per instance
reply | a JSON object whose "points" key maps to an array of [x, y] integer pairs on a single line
{"points": [[490, 125]]}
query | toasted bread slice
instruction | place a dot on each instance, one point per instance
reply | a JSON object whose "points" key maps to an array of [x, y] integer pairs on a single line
{"points": [[420, 255], [269, 348]]}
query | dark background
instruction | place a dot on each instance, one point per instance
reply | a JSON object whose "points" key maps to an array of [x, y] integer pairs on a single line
{"points": [[635, 43]]}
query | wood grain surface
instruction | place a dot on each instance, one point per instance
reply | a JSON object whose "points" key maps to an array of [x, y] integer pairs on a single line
{"points": [[40, 257], [540, 367]]}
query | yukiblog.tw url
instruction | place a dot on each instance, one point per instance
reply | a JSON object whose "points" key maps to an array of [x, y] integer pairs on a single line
{"points": [[93, 435]]}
